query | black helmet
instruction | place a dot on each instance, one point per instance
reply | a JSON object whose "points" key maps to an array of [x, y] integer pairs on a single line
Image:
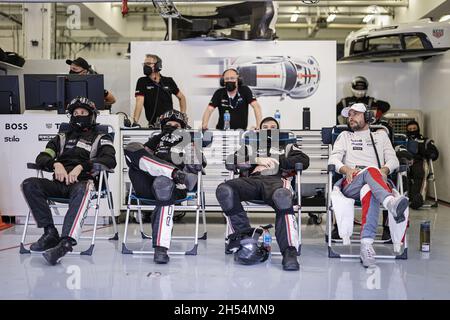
{"points": [[250, 251], [82, 102], [85, 103], [173, 115], [360, 83]]}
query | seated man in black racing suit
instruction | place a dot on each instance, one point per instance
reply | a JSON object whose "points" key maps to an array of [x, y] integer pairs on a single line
{"points": [[71, 156], [417, 176], [158, 171], [268, 178]]}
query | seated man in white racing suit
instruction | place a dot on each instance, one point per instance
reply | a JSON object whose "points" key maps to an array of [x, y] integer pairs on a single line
{"points": [[355, 156], [268, 178]]}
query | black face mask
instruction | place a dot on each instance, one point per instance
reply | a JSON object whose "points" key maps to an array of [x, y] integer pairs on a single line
{"points": [[74, 72], [167, 128], [413, 134], [148, 70], [230, 86], [81, 122]]}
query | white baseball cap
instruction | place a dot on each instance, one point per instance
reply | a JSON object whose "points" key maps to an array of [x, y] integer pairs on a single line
{"points": [[360, 107]]}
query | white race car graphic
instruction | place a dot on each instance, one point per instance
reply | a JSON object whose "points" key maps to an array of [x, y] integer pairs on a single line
{"points": [[282, 76], [420, 39]]}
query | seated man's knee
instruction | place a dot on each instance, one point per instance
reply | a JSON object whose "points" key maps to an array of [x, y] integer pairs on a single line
{"points": [[30, 185], [282, 198], [133, 153], [163, 188], [374, 171], [225, 196]]}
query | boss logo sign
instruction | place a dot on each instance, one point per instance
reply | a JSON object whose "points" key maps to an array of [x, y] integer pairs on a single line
{"points": [[16, 126]]}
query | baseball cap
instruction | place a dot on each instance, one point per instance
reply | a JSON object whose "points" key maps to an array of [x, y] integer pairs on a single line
{"points": [[79, 62], [360, 107]]}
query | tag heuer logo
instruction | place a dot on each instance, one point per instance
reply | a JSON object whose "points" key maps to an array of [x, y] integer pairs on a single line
{"points": [[48, 125], [437, 33]]}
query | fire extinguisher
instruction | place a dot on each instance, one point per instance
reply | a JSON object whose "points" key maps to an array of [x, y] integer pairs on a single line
{"points": [[124, 8]]}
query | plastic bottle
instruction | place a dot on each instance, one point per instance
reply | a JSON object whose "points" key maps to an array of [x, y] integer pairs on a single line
{"points": [[267, 239], [277, 116], [226, 120]]}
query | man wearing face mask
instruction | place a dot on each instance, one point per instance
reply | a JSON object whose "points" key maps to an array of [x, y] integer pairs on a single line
{"points": [[268, 179], [154, 92], [71, 156], [359, 90], [156, 175], [82, 67], [417, 175], [235, 98]]}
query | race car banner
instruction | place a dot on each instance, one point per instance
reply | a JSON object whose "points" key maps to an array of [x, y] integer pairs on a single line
{"points": [[283, 75]]}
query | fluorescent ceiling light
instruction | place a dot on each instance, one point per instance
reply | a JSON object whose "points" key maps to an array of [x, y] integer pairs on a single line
{"points": [[294, 17], [331, 18]]}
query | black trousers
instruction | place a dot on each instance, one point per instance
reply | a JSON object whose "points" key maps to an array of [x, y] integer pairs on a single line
{"points": [[262, 188], [36, 192], [417, 183]]}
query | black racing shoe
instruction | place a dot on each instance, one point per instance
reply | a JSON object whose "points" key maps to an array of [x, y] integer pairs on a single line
{"points": [[335, 233], [46, 241], [54, 255], [386, 236], [188, 179], [289, 261], [160, 256]]}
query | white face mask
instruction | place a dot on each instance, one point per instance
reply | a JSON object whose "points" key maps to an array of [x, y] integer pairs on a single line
{"points": [[359, 93]]}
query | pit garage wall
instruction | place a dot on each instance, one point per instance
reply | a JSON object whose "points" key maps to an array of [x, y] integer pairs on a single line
{"points": [[435, 99]]}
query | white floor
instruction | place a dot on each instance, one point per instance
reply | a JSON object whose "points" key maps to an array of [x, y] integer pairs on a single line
{"points": [[213, 275]]}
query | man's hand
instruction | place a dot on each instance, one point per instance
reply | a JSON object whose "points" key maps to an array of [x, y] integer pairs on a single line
{"points": [[350, 174], [267, 162], [384, 172], [60, 172], [73, 175]]}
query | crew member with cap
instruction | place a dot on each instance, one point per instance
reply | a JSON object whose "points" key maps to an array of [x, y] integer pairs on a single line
{"points": [[158, 171], [268, 179], [82, 67], [418, 172], [234, 97], [154, 92], [359, 90], [70, 156], [366, 158]]}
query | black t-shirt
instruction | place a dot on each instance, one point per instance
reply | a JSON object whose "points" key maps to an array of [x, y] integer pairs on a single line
{"points": [[157, 96], [237, 106]]}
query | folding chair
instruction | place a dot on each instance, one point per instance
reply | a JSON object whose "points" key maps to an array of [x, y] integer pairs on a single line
{"points": [[196, 196], [329, 135], [102, 192], [286, 137]]}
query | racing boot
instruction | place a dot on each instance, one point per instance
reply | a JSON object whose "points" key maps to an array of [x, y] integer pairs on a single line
{"points": [[54, 255], [160, 256], [48, 240], [289, 261]]}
